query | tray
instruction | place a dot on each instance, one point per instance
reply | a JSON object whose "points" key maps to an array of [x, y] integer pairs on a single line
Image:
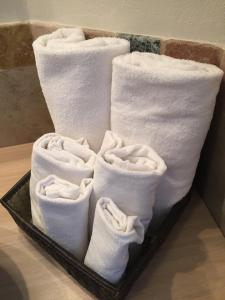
{"points": [[17, 202]]}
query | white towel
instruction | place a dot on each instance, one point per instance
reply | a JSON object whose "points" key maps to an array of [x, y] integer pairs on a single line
{"points": [[112, 234], [166, 103], [62, 39], [75, 77], [62, 210], [66, 158], [128, 175]]}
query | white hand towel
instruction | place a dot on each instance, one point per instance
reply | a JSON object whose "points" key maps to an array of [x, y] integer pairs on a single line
{"points": [[62, 156], [112, 234], [66, 158], [128, 175], [61, 209], [76, 81], [166, 103]]}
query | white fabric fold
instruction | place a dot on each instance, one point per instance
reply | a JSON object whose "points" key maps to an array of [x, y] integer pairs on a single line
{"points": [[113, 232], [62, 39], [168, 104], [60, 210], [68, 159], [75, 77], [64, 157], [129, 175]]}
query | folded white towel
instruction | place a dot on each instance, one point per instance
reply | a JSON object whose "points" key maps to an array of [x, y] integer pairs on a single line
{"points": [[66, 158], [166, 103], [75, 77], [128, 175], [112, 234], [61, 209]]}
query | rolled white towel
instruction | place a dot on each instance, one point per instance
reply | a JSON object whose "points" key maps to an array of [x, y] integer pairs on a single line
{"points": [[166, 103], [62, 39], [75, 77], [129, 175], [66, 158], [113, 232], [60, 210]]}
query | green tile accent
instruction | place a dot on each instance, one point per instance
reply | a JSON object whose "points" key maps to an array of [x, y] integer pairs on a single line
{"points": [[141, 43]]}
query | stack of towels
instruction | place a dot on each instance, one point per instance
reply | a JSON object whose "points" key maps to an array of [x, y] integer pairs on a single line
{"points": [[129, 128]]}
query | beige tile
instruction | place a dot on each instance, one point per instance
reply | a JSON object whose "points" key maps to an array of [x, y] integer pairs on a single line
{"points": [[92, 33], [38, 29], [15, 46], [204, 53], [24, 115]]}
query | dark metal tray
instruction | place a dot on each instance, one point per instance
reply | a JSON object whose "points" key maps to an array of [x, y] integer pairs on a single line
{"points": [[17, 202]]}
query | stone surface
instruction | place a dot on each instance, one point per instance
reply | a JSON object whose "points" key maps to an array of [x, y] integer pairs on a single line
{"points": [[16, 46], [92, 33], [204, 53], [24, 114], [23, 52], [6, 53], [38, 29], [4, 57], [141, 43]]}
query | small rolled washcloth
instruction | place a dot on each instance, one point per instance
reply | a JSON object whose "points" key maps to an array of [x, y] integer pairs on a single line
{"points": [[129, 175], [66, 158], [61, 208], [168, 104], [75, 77], [113, 232]]}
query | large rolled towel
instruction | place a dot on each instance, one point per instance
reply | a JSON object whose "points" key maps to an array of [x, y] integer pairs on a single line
{"points": [[128, 175], [62, 39], [75, 77], [166, 103], [61, 209], [113, 232], [66, 158]]}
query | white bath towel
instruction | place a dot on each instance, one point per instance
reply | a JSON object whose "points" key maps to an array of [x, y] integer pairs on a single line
{"points": [[113, 232], [61, 156], [61, 209], [128, 175], [75, 77], [166, 103]]}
